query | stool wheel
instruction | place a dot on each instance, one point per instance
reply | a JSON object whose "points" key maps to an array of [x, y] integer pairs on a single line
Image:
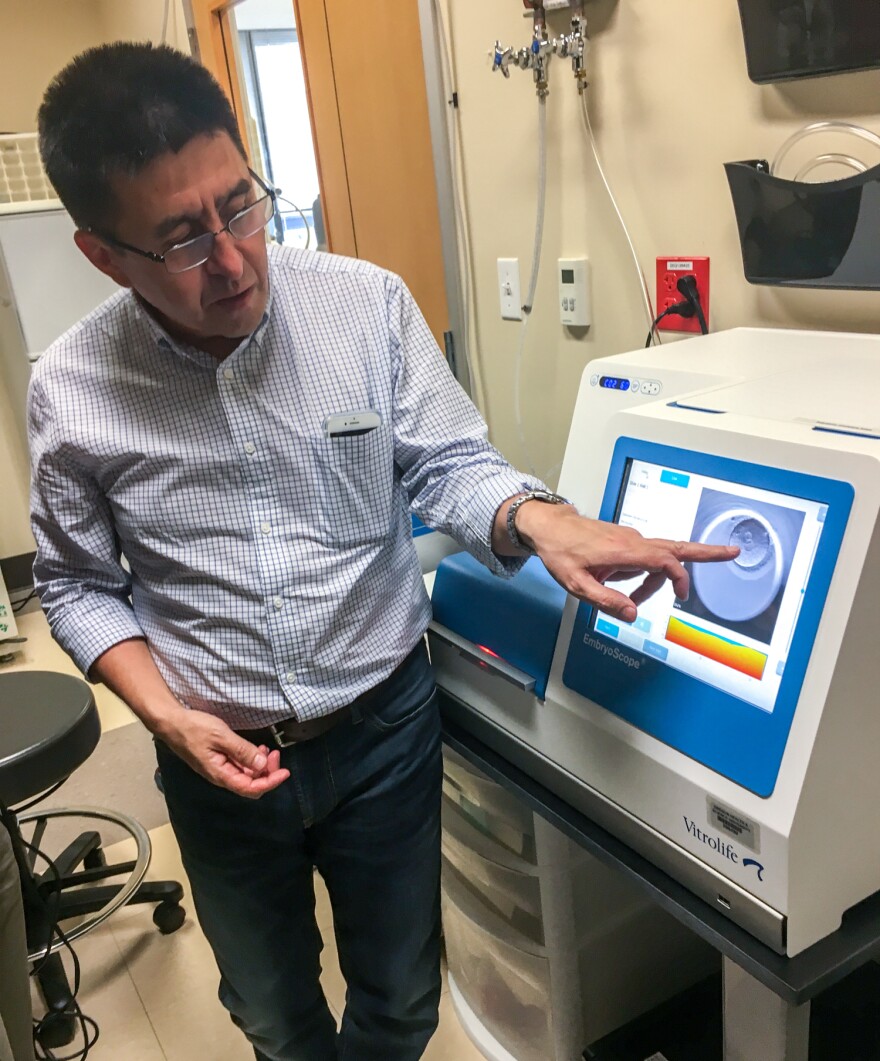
{"points": [[168, 917]]}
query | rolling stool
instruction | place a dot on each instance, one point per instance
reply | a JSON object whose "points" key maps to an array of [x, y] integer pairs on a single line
{"points": [[49, 726]]}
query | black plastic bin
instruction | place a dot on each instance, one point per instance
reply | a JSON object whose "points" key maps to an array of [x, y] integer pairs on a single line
{"points": [[794, 234]]}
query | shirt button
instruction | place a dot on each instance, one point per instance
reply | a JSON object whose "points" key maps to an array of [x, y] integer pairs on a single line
{"points": [[266, 528], [249, 447], [228, 373], [278, 602], [291, 677]]}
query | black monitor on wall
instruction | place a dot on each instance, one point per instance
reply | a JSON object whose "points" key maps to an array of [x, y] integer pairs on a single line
{"points": [[807, 38]]}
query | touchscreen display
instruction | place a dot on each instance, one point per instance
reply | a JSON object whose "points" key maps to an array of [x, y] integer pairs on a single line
{"points": [[736, 627]]}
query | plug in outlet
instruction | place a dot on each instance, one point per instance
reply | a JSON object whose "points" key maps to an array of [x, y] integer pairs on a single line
{"points": [[668, 272]]}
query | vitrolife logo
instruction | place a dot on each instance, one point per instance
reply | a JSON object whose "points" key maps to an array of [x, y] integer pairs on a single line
{"points": [[613, 652], [723, 847]]}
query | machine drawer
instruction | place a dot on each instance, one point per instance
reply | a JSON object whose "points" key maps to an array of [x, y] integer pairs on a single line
{"points": [[460, 823], [490, 808], [497, 832], [507, 989], [484, 792], [513, 896]]}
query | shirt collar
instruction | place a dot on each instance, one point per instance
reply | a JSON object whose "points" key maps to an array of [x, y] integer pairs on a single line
{"points": [[167, 342]]}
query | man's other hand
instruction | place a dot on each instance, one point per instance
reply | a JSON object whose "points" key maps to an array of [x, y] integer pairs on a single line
{"points": [[219, 754], [583, 554]]}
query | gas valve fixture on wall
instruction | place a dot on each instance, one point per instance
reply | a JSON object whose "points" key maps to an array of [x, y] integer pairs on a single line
{"points": [[536, 56]]}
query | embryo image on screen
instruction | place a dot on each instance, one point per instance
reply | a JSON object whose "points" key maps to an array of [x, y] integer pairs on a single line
{"points": [[743, 595]]}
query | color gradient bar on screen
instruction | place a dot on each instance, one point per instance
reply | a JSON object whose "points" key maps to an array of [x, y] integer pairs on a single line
{"points": [[729, 653]]}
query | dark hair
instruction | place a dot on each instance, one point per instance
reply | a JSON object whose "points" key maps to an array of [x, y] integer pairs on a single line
{"points": [[116, 108]]}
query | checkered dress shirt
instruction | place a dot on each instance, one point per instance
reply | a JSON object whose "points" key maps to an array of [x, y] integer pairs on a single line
{"points": [[272, 569]]}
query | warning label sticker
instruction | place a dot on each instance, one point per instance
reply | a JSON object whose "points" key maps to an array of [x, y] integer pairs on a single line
{"points": [[744, 830]]}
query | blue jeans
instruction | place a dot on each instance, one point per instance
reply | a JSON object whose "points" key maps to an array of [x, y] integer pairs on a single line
{"points": [[363, 806]]}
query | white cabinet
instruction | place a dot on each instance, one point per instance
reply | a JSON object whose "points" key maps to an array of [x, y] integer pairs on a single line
{"points": [[46, 285], [548, 949]]}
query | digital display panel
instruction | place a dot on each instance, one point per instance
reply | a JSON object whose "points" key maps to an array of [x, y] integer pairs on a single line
{"points": [[735, 630], [614, 383], [567, 276]]}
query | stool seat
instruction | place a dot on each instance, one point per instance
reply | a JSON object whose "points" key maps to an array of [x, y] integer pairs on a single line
{"points": [[49, 726]]}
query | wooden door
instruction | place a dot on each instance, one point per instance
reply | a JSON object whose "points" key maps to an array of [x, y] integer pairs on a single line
{"points": [[369, 110]]}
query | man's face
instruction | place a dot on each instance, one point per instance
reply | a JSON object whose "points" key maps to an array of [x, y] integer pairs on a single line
{"points": [[174, 199]]}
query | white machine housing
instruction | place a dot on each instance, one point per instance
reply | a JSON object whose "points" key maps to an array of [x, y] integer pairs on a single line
{"points": [[804, 401], [46, 286]]}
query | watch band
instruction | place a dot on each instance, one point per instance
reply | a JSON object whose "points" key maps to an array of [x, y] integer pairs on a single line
{"points": [[532, 495]]}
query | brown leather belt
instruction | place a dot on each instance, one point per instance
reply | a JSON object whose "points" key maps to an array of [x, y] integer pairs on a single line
{"points": [[290, 731]]}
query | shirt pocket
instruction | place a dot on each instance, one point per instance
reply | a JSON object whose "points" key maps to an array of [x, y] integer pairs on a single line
{"points": [[356, 476]]}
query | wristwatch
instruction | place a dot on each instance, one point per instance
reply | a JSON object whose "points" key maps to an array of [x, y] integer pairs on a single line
{"points": [[533, 495]]}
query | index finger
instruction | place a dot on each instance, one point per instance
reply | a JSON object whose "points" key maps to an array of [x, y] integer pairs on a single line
{"points": [[677, 553], [700, 553]]}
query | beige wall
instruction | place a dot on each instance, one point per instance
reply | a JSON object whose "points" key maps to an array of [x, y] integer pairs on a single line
{"points": [[37, 37], [670, 101], [142, 20]]}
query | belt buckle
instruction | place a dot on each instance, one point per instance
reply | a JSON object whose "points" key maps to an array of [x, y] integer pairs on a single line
{"points": [[277, 731]]}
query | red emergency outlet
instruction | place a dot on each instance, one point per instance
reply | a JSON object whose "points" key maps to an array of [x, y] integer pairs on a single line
{"points": [[669, 271]]}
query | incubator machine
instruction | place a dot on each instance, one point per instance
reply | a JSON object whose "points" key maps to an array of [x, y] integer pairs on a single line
{"points": [[732, 738]]}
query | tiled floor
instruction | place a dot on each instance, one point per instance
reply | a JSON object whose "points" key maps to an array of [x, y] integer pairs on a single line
{"points": [[154, 997]]}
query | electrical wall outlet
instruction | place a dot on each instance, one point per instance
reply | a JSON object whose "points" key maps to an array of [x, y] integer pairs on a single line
{"points": [[668, 272], [508, 289]]}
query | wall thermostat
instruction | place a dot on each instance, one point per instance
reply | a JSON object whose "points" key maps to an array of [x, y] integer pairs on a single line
{"points": [[575, 307]]}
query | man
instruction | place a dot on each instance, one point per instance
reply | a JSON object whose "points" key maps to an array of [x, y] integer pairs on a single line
{"points": [[269, 632]]}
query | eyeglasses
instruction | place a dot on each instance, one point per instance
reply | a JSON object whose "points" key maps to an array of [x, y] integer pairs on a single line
{"points": [[194, 252]]}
